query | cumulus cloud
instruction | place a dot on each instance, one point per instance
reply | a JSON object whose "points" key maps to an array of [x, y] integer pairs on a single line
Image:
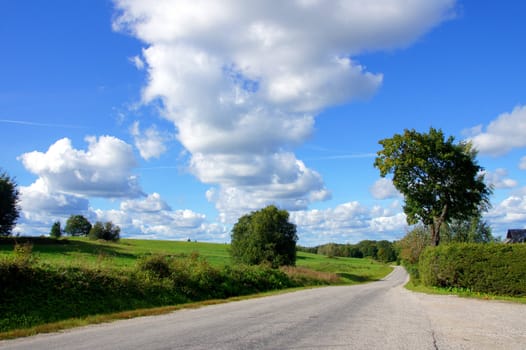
{"points": [[150, 143], [503, 134], [38, 204], [103, 170], [152, 217], [349, 222], [499, 180], [243, 81], [384, 189], [509, 213]]}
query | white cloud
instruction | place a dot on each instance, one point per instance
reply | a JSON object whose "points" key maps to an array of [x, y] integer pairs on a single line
{"points": [[384, 189], [349, 222], [38, 204], [151, 217], [242, 81], [103, 170], [499, 180], [509, 213], [137, 62], [522, 164], [503, 134], [150, 143]]}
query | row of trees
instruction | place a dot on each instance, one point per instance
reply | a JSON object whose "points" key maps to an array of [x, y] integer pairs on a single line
{"points": [[78, 225], [383, 251]]}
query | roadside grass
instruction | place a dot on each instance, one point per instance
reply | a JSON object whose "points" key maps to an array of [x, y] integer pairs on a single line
{"points": [[110, 317], [461, 292]]}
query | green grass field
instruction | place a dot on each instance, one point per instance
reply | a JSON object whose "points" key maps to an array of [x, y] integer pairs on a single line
{"points": [[76, 251]]}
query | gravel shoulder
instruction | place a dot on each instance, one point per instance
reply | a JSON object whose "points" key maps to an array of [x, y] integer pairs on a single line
{"points": [[461, 323]]}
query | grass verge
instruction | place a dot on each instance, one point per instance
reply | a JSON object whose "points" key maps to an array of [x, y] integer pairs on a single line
{"points": [[462, 292]]}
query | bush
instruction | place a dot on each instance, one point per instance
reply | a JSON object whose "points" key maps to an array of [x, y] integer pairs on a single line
{"points": [[265, 236], [486, 268]]}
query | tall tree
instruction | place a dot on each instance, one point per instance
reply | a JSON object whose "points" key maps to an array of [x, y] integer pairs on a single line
{"points": [[77, 225], [265, 235], [440, 179], [9, 210], [56, 230]]}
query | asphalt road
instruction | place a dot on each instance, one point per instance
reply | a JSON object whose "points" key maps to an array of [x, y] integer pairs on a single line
{"points": [[379, 315]]}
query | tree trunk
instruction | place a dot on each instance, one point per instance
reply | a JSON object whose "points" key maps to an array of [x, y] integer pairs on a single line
{"points": [[435, 234], [435, 227]]}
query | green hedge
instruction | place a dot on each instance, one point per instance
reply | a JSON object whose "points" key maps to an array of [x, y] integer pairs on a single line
{"points": [[486, 268]]}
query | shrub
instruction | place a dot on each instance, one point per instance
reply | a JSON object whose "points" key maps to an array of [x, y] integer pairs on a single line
{"points": [[265, 236], [487, 268], [158, 265]]}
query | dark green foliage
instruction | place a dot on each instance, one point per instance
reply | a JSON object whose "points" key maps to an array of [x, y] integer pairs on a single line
{"points": [[486, 268], [383, 251], [440, 180], [77, 225], [9, 210], [56, 230], [265, 236], [474, 230], [106, 231]]}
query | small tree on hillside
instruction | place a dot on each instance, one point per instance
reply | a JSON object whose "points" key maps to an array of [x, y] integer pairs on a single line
{"points": [[265, 236], [56, 230], [9, 210], [106, 231], [440, 180], [77, 225]]}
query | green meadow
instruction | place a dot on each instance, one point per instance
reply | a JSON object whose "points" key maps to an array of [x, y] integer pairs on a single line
{"points": [[82, 252]]}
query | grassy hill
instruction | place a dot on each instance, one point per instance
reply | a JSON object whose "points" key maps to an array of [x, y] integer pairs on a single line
{"points": [[81, 252]]}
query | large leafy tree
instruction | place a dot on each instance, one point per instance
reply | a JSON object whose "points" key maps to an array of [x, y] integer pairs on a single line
{"points": [[9, 210], [265, 236], [439, 179], [77, 225]]}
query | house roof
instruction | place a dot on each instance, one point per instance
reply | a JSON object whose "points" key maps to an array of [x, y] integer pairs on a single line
{"points": [[516, 236]]}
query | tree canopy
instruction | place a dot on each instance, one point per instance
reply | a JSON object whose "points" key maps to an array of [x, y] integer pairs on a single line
{"points": [[439, 179], [106, 231], [56, 230], [265, 236], [9, 210], [77, 225]]}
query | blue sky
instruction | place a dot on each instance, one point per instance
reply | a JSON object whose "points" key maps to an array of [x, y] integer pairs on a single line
{"points": [[173, 118]]}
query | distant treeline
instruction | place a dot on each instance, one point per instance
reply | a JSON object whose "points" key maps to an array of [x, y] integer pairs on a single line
{"points": [[383, 251]]}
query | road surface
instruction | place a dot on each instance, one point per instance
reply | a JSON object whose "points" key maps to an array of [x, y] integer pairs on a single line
{"points": [[379, 315]]}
